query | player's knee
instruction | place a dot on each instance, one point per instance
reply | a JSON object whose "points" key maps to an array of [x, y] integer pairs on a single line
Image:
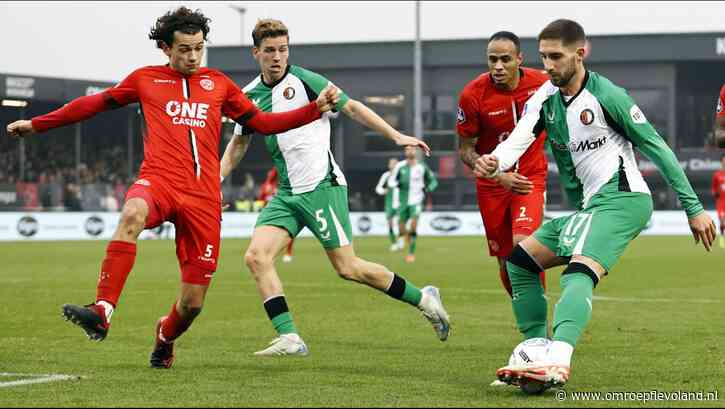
{"points": [[520, 258], [189, 310], [350, 270], [257, 259], [133, 217], [575, 267]]}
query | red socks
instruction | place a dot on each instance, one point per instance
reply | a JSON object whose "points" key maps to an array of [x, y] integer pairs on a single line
{"points": [[174, 325], [120, 256]]}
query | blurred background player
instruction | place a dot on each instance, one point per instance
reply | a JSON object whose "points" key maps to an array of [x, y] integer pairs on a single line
{"points": [[593, 126], [267, 191], [720, 119], [718, 192], [312, 191], [178, 181], [391, 204], [511, 204], [413, 179]]}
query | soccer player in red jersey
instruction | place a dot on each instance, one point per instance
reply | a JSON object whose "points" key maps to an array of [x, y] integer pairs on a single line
{"points": [[720, 119], [718, 192], [179, 179], [512, 206]]}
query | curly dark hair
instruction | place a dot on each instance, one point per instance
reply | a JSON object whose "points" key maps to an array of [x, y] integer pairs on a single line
{"points": [[181, 19]]}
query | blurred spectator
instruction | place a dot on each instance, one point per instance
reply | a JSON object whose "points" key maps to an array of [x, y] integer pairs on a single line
{"points": [[72, 197], [109, 202]]}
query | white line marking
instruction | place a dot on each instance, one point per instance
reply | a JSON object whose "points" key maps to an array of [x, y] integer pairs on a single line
{"points": [[35, 378]]}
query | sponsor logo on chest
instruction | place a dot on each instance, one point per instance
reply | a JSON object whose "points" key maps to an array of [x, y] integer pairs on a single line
{"points": [[187, 113]]}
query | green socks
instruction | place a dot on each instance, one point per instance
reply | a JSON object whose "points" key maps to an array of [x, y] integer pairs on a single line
{"points": [[574, 309], [280, 316], [413, 239], [402, 290], [528, 301], [391, 235]]}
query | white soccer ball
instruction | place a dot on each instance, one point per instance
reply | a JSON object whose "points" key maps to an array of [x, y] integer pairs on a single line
{"points": [[529, 351]]}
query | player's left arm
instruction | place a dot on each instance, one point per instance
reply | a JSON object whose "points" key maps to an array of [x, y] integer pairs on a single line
{"points": [[235, 151], [624, 113], [380, 188], [431, 183]]}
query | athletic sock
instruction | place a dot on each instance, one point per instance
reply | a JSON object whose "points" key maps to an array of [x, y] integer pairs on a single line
{"points": [[120, 256], [174, 325], [400, 289], [528, 301], [279, 314], [413, 239], [574, 309]]}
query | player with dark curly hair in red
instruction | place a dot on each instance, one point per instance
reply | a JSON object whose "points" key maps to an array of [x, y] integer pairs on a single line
{"points": [[179, 180]]}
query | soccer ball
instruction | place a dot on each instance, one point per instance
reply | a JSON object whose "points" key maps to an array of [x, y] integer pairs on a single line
{"points": [[527, 352]]}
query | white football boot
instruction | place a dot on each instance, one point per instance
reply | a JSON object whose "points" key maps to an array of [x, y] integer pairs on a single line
{"points": [[285, 345], [432, 308]]}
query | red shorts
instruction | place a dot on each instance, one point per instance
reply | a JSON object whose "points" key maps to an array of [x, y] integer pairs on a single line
{"points": [[197, 222], [720, 207], [506, 214]]}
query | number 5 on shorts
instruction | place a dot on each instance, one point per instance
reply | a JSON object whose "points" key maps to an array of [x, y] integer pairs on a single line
{"points": [[321, 220]]}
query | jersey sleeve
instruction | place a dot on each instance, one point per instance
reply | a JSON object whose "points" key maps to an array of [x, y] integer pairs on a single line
{"points": [[626, 118], [86, 107], [720, 109], [527, 129], [380, 188], [467, 118], [314, 84], [237, 106], [431, 183], [393, 178]]}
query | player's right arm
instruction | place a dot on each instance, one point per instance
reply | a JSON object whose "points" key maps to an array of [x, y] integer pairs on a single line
{"points": [[235, 151], [393, 178], [508, 152], [79, 109], [380, 188]]}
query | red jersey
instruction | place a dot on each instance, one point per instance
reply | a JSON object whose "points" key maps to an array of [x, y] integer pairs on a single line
{"points": [[490, 114], [183, 121], [718, 186], [720, 111]]}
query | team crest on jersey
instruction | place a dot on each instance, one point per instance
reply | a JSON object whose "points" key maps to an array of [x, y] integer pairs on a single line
{"points": [[587, 116], [289, 93], [719, 106], [637, 115], [460, 116], [207, 84]]}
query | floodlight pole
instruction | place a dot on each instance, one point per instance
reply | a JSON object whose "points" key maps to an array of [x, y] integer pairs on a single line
{"points": [[242, 11], [417, 78]]}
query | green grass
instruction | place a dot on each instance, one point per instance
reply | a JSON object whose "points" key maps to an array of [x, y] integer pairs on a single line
{"points": [[658, 327]]}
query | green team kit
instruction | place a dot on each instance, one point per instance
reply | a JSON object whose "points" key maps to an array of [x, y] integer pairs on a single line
{"points": [[412, 181], [592, 135], [312, 191], [392, 199]]}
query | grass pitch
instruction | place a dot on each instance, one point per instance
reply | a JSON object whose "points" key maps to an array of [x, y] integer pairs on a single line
{"points": [[658, 324]]}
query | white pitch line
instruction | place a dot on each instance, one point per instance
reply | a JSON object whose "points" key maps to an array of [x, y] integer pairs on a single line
{"points": [[35, 378]]}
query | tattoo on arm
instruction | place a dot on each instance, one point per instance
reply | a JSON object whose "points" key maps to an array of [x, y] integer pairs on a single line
{"points": [[467, 151]]}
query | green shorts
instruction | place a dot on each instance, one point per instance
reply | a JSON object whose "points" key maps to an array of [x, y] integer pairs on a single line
{"points": [[324, 211], [406, 212], [602, 230]]}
